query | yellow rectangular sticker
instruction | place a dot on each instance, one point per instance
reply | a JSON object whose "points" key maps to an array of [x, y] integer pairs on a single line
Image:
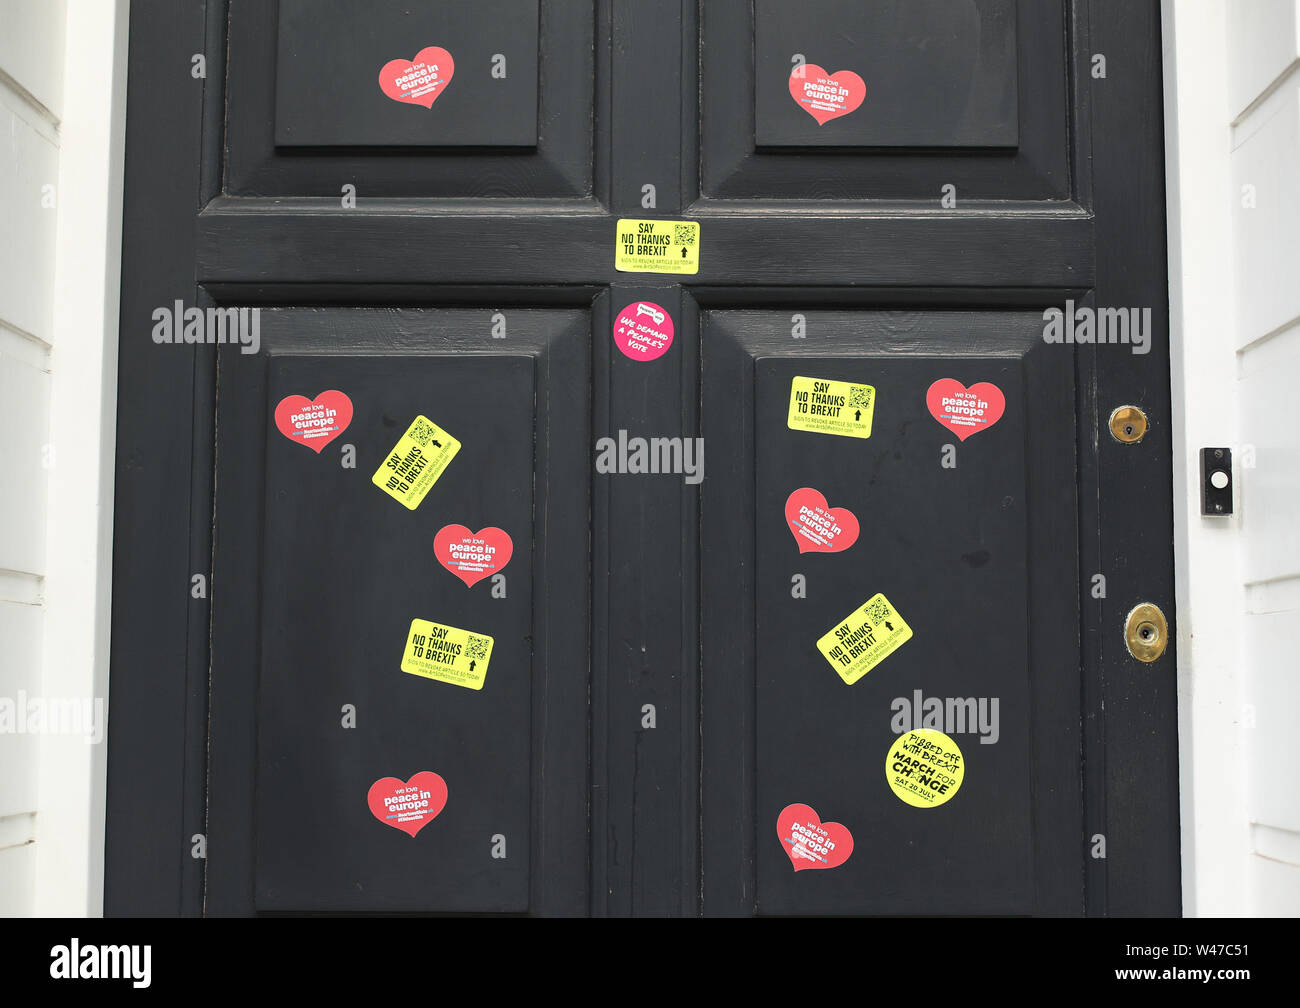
{"points": [[447, 654], [657, 246], [824, 406], [416, 462], [865, 638]]}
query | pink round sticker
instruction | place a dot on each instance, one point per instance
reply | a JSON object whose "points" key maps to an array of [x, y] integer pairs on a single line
{"points": [[643, 331]]}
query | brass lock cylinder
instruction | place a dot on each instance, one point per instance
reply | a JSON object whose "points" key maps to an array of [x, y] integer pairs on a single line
{"points": [[1146, 632]]}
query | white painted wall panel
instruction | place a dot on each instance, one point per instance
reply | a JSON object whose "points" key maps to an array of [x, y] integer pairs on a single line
{"points": [[1270, 492], [24, 432], [1264, 46], [1273, 692], [17, 889], [20, 669], [29, 159], [31, 85], [31, 47], [1264, 40], [1275, 888], [1266, 155]]}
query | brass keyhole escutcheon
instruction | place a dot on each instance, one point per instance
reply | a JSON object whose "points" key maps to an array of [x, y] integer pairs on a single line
{"points": [[1146, 633], [1128, 424]]}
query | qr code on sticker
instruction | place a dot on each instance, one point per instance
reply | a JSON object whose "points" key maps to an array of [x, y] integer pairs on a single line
{"points": [[860, 396], [684, 234], [878, 610], [422, 432], [476, 647]]}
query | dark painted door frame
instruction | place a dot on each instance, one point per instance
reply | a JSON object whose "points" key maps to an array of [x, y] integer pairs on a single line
{"points": [[184, 239]]}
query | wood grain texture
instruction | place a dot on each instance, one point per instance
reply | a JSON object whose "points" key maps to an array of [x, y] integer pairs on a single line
{"points": [[1135, 710], [157, 675], [748, 245]]}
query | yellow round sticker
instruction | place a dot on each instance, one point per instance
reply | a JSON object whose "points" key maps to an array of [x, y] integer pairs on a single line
{"points": [[924, 767]]}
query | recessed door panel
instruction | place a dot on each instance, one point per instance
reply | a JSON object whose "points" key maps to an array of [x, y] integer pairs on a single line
{"points": [[947, 549], [417, 101], [898, 73], [922, 462], [834, 100], [381, 638], [346, 569], [352, 75]]}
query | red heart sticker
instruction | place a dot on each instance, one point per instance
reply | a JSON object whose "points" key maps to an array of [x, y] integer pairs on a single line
{"points": [[472, 556], [811, 843], [965, 411], [817, 527], [826, 96], [418, 81], [411, 806], [314, 422]]}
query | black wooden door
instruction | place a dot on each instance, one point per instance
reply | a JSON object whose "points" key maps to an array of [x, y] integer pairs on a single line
{"points": [[648, 480]]}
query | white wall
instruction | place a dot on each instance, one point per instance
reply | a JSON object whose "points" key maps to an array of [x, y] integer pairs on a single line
{"points": [[1232, 73], [1264, 43], [31, 104], [62, 96], [83, 404]]}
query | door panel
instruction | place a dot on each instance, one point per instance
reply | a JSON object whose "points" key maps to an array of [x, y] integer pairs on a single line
{"points": [[955, 61], [339, 107], [342, 581], [950, 548], [971, 94], [319, 576], [305, 115]]}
